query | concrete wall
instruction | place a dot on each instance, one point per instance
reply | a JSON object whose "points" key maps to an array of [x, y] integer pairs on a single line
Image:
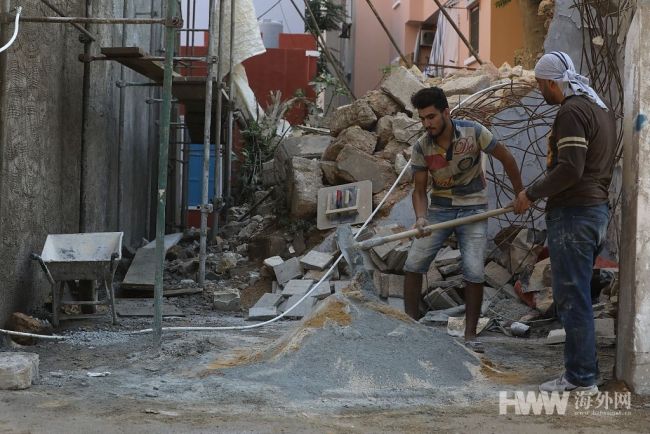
{"points": [[41, 144]]}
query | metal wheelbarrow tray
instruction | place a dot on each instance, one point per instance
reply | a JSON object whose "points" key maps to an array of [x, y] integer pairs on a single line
{"points": [[81, 257]]}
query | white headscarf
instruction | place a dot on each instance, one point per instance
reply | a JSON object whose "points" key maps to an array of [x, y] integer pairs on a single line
{"points": [[559, 67]]}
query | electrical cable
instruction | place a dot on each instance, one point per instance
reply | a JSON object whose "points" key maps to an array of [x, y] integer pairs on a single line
{"points": [[16, 25]]}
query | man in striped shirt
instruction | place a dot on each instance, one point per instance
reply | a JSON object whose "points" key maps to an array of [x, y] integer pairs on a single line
{"points": [[451, 154], [580, 161]]}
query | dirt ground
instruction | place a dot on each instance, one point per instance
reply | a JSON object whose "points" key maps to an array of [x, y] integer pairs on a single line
{"points": [[186, 386]]}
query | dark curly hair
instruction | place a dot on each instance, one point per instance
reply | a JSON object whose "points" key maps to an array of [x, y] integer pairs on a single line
{"points": [[430, 96]]}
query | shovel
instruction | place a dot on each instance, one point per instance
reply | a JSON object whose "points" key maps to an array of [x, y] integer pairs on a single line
{"points": [[353, 251]]}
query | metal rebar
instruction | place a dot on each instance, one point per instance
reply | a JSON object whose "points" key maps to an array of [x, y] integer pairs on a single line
{"points": [[95, 20], [89, 35], [218, 164], [462, 37], [163, 155], [390, 36], [205, 206]]}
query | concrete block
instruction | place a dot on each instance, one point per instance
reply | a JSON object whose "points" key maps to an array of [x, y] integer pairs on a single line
{"points": [[465, 85], [227, 300], [605, 327], [297, 287], [358, 113], [304, 180], [381, 283], [496, 276], [287, 270], [433, 275], [401, 85], [354, 136], [397, 258], [357, 165], [406, 129], [266, 307], [395, 285], [556, 337], [451, 269], [316, 260], [18, 370], [378, 262], [447, 256], [273, 261], [438, 299], [323, 290], [302, 310], [380, 103]]}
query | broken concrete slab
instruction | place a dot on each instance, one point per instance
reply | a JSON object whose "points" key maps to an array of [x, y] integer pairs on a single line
{"points": [[356, 165], [303, 309], [384, 131], [323, 290], [297, 287], [18, 370], [331, 172], [142, 272], [451, 269], [464, 85], [406, 129], [304, 181], [381, 103], [316, 260], [355, 136], [289, 269], [358, 113], [401, 84], [226, 300]]}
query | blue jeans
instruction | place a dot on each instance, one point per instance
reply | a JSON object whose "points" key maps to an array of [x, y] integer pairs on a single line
{"points": [[575, 238], [472, 240]]}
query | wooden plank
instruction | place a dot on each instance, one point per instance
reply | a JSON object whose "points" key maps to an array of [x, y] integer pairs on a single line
{"points": [[137, 60], [123, 52], [143, 307]]}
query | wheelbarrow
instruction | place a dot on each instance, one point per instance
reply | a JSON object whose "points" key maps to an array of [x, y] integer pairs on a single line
{"points": [[77, 258]]}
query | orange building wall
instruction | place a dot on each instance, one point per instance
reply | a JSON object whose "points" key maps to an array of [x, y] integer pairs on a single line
{"points": [[507, 33], [485, 40]]}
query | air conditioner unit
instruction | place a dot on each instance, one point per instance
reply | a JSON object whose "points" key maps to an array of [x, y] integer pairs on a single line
{"points": [[426, 37]]}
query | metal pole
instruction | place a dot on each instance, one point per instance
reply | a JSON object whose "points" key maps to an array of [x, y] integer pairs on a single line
{"points": [[186, 169], [390, 36], [163, 151], [324, 47], [205, 205], [462, 37], [231, 106], [218, 164]]}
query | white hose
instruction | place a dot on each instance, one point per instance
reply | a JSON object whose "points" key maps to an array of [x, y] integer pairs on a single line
{"points": [[365, 224], [32, 335], [13, 38], [283, 314]]}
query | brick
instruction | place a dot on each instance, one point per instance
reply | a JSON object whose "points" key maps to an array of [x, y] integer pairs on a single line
{"points": [[297, 287], [302, 310], [316, 260], [288, 270], [18, 370], [496, 276], [266, 307]]}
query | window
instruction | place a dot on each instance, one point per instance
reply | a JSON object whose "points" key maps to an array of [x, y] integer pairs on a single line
{"points": [[473, 27]]}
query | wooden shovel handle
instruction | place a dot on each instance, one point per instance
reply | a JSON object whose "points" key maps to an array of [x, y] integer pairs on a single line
{"points": [[372, 242]]}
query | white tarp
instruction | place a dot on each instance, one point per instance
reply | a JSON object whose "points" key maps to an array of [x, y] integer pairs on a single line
{"points": [[445, 43]]}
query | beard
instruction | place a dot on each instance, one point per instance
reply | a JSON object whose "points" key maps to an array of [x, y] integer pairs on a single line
{"points": [[442, 130]]}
